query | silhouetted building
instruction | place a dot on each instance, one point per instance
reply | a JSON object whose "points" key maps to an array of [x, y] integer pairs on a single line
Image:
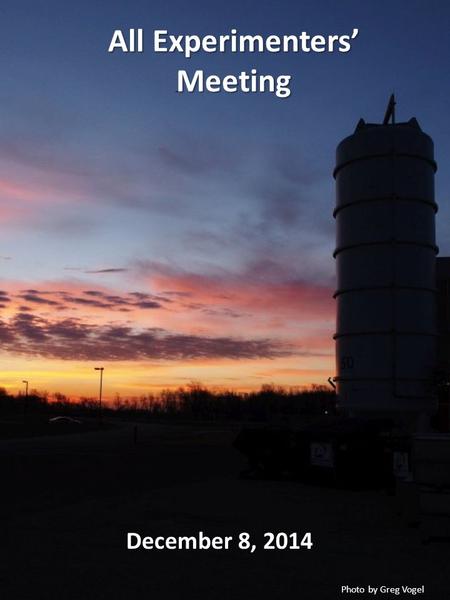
{"points": [[443, 348]]}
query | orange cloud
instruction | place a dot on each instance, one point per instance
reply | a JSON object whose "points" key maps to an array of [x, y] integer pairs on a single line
{"points": [[225, 331]]}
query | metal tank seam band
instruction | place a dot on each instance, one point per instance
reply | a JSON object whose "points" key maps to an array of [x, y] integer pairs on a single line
{"points": [[429, 161], [340, 249], [388, 332], [430, 203], [389, 288]]}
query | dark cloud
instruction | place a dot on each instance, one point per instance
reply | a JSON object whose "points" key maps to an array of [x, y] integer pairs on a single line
{"points": [[28, 328], [97, 271], [144, 297], [87, 302], [92, 293], [195, 155], [38, 300], [225, 312], [108, 270], [94, 298], [74, 339], [177, 294], [7, 336], [147, 304]]}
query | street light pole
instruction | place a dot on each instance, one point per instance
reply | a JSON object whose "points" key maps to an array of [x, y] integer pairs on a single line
{"points": [[25, 402], [101, 369]]}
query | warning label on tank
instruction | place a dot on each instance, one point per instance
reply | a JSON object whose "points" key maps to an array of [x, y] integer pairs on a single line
{"points": [[321, 454]]}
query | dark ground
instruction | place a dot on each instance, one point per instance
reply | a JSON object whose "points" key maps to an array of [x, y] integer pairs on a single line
{"points": [[68, 502]]}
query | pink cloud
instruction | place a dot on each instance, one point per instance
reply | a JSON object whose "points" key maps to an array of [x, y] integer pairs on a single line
{"points": [[253, 291]]}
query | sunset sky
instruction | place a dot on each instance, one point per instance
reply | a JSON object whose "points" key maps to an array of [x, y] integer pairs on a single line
{"points": [[177, 237]]}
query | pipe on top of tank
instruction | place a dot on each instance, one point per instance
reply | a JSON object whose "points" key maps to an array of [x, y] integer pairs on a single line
{"points": [[390, 111]]}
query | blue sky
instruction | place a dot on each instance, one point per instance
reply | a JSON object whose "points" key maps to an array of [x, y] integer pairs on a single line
{"points": [[109, 179]]}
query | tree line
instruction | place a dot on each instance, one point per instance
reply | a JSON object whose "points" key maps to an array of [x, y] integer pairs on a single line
{"points": [[194, 401]]}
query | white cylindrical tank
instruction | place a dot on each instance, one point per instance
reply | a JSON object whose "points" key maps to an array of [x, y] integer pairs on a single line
{"points": [[385, 259]]}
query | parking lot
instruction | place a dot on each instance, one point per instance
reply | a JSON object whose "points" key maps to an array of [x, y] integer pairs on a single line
{"points": [[69, 502]]}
